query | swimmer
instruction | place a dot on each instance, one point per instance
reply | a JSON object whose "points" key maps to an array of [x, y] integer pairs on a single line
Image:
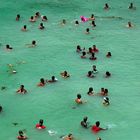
{"points": [[87, 31], [90, 91], [107, 74], [44, 18], [0, 108], [129, 25], [8, 47], [106, 101], [92, 57], [93, 23], [78, 99], [41, 26], [42, 82], [78, 49], [92, 17], [24, 28], [40, 125], [32, 19], [106, 7], [94, 69], [18, 17], [53, 79], [108, 55], [90, 74], [76, 22], [83, 54], [84, 19], [65, 74], [94, 49], [32, 45], [95, 128], [84, 122], [21, 136], [37, 15], [22, 90], [63, 22], [105, 92], [69, 137], [89, 50], [131, 6]]}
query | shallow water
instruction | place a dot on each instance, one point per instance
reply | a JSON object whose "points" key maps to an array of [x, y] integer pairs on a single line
{"points": [[55, 52]]}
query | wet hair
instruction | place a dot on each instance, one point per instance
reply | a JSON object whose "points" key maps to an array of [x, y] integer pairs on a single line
{"points": [[44, 17], [0, 108], [89, 73], [18, 15], [106, 5], [41, 24], [79, 96], [106, 90], [53, 78], [24, 26], [64, 21], [40, 122], [76, 22], [131, 6], [84, 53], [69, 135], [92, 15], [108, 73], [85, 119], [109, 54], [31, 17], [87, 29], [78, 47], [42, 80], [93, 23], [65, 73], [33, 42], [37, 14], [97, 123], [7, 46], [93, 55], [94, 66], [90, 50]]}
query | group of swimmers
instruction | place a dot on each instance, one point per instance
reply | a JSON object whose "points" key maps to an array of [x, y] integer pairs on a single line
{"points": [[91, 51]]}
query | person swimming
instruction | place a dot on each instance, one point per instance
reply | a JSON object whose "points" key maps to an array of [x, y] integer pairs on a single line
{"points": [[44, 18], [1, 108], [102, 92], [18, 17], [92, 17], [76, 22], [24, 28], [94, 69], [107, 74], [78, 48], [108, 54], [11, 69], [63, 22], [40, 125], [37, 15], [83, 54], [69, 137], [93, 23], [90, 91], [89, 50], [129, 25], [21, 136], [52, 80], [84, 122], [32, 19], [90, 74], [106, 101], [96, 128], [78, 99], [22, 90], [65, 74], [8, 47], [106, 7], [92, 57], [131, 6], [94, 49], [41, 26], [42, 82], [87, 31]]}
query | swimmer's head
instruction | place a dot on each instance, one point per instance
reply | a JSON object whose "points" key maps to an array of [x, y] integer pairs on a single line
{"points": [[0, 108], [79, 96], [37, 14], [76, 22], [42, 80], [97, 123], [33, 42], [22, 86], [85, 119], [41, 122], [108, 74], [20, 133], [87, 30], [53, 78]]}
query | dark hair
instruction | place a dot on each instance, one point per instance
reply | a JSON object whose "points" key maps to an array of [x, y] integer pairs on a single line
{"points": [[108, 73], [18, 16], [42, 80], [79, 96], [85, 119], [40, 122], [53, 78], [33, 42], [25, 26], [89, 73], [76, 22], [0, 108], [90, 50], [83, 53], [97, 123], [87, 29]]}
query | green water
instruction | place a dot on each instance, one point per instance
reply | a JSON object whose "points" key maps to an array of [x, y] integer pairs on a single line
{"points": [[55, 52]]}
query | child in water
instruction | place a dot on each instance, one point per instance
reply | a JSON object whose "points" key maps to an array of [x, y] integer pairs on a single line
{"points": [[24, 28], [21, 136], [106, 101], [42, 82], [78, 99], [22, 90], [65, 74], [69, 137]]}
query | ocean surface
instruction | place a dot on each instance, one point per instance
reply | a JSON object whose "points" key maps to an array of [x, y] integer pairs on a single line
{"points": [[56, 52]]}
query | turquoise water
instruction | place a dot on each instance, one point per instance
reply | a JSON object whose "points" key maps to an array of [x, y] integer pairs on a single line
{"points": [[55, 52]]}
